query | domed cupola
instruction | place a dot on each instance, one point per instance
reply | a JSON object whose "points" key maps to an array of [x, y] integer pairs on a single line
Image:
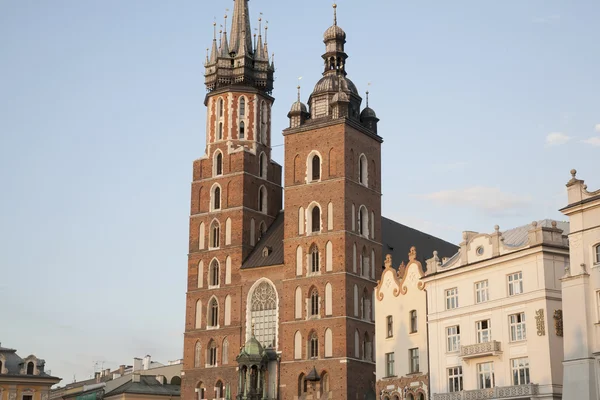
{"points": [[298, 113], [368, 118]]}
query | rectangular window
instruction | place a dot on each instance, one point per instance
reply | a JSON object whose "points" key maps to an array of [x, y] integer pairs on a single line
{"points": [[455, 379], [451, 298], [485, 375], [390, 326], [515, 283], [520, 371], [413, 321], [389, 364], [517, 327], [27, 397], [413, 359], [481, 292], [453, 338], [484, 331], [597, 254]]}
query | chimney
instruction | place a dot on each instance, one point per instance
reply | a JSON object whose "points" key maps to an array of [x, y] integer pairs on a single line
{"points": [[135, 377], [97, 376], [147, 362], [121, 370], [107, 372], [137, 364]]}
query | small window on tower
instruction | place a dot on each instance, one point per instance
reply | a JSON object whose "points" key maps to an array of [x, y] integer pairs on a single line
{"points": [[221, 107], [220, 131], [242, 107], [316, 168], [314, 303], [314, 258], [316, 219], [219, 164], [242, 130], [217, 199]]}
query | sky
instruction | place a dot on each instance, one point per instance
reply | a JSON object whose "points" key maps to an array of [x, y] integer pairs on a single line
{"points": [[485, 107]]}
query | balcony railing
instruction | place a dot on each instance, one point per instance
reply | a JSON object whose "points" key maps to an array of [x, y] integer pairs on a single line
{"points": [[500, 392], [480, 349]]}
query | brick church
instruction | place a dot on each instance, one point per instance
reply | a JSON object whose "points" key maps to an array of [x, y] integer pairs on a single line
{"points": [[280, 302]]}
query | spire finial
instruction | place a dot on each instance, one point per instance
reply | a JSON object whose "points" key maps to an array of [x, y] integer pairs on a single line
{"points": [[207, 54], [266, 30], [368, 84], [334, 13], [225, 22], [215, 29], [299, 79]]}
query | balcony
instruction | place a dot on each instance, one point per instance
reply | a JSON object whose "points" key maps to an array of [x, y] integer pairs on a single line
{"points": [[480, 350], [501, 392]]}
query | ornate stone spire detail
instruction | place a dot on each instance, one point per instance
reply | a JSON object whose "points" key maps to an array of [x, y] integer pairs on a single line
{"points": [[260, 50], [241, 39], [213, 52], [224, 50]]}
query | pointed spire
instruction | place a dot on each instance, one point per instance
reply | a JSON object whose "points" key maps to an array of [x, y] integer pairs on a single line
{"points": [[213, 53], [207, 55], [260, 50], [240, 23], [298, 93], [367, 98], [334, 14], [224, 51], [273, 61], [266, 49]]}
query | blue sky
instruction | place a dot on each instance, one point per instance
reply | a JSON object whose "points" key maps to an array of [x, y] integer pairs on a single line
{"points": [[485, 107]]}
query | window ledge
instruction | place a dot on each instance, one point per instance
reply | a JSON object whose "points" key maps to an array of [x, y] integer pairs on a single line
{"points": [[520, 341], [212, 328], [214, 286]]}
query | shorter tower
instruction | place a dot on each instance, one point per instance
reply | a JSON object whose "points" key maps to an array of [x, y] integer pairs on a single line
{"points": [[581, 294]]}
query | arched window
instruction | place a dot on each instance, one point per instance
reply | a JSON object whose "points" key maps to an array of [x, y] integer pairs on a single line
{"points": [[228, 270], [213, 313], [211, 353], [363, 221], [262, 165], [421, 396], [314, 303], [355, 298], [262, 199], [219, 390], [301, 385], [200, 276], [263, 122], [30, 367], [242, 130], [313, 345], [325, 382], [201, 390], [297, 345], [298, 303], [198, 355], [215, 234], [263, 313], [176, 380], [328, 299], [328, 343], [216, 198], [198, 314], [363, 172], [356, 344], [220, 131], [218, 163], [410, 397], [364, 262], [365, 305], [367, 348], [413, 321], [597, 254], [242, 106], [201, 236], [316, 219], [314, 258], [316, 168], [214, 273], [299, 261], [225, 352], [228, 310], [221, 107], [262, 229]]}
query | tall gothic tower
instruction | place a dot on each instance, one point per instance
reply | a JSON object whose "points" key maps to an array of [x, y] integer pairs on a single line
{"points": [[235, 197], [332, 240]]}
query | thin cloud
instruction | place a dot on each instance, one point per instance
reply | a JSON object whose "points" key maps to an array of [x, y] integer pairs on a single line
{"points": [[593, 141], [557, 139], [546, 19], [488, 200], [597, 127]]}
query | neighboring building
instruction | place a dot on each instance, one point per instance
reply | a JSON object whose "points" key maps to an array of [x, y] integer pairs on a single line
{"points": [[298, 282], [401, 332], [106, 380], [144, 387], [494, 315], [581, 294], [23, 378]]}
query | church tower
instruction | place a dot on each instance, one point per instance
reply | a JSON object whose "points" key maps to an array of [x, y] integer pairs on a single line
{"points": [[236, 195], [332, 237]]}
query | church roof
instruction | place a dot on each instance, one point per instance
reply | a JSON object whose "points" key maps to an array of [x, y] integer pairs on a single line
{"points": [[397, 241]]}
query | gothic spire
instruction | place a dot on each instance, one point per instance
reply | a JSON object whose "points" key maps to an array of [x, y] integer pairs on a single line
{"points": [[213, 53], [240, 24], [260, 50]]}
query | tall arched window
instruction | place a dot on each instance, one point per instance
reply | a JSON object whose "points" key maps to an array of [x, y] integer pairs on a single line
{"points": [[201, 236], [363, 173], [215, 234], [198, 355], [316, 168], [262, 199], [242, 133], [314, 303], [263, 122], [242, 106], [198, 324], [328, 343], [219, 393], [367, 348], [301, 385], [263, 313], [364, 262], [363, 221], [328, 299], [225, 352], [216, 198], [30, 367], [221, 107], [220, 131], [313, 345], [314, 258], [211, 356], [297, 345], [213, 313], [214, 273], [262, 165], [201, 390], [316, 219], [218, 163]]}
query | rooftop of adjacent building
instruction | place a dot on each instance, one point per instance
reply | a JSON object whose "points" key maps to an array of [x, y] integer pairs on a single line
{"points": [[11, 364], [146, 385]]}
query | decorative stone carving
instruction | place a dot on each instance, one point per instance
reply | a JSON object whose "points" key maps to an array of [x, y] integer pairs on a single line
{"points": [[12, 395], [388, 261], [412, 255], [558, 323], [540, 323]]}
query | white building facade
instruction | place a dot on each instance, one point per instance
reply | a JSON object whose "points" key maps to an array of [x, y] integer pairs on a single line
{"points": [[581, 294], [401, 332], [494, 315]]}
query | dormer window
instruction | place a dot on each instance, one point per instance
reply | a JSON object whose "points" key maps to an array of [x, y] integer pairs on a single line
{"points": [[266, 251], [30, 368]]}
